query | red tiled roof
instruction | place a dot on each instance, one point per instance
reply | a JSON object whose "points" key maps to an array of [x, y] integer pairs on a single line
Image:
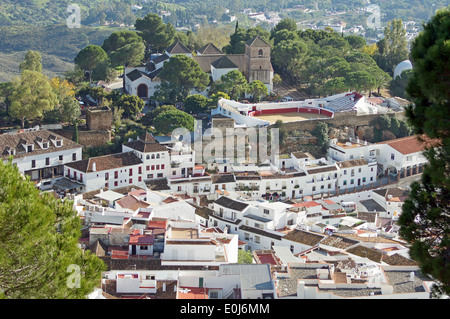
{"points": [[306, 204], [137, 239], [157, 224], [409, 144], [267, 259]]}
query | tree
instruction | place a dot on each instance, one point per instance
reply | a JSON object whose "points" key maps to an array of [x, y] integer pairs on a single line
{"points": [[155, 32], [286, 53], [356, 42], [285, 24], [425, 219], [397, 86], [129, 55], [32, 62], [195, 103], [257, 90], [215, 97], [321, 132], [393, 49], [32, 96], [119, 39], [180, 75], [130, 104], [245, 256], [282, 133], [68, 108], [166, 122], [39, 252], [276, 80], [104, 71], [89, 57], [233, 83]]}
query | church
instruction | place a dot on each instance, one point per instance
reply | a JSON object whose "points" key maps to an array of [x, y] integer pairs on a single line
{"points": [[254, 64]]}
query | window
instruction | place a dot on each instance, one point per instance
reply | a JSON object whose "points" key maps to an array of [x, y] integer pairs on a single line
{"points": [[106, 176], [74, 156], [157, 167], [30, 148], [58, 143], [266, 211], [352, 181], [149, 175], [314, 188], [140, 170], [148, 156], [148, 167], [130, 181], [144, 247], [60, 158], [260, 53], [345, 172], [159, 175], [359, 170], [257, 239], [131, 172], [345, 182], [392, 156], [213, 295], [116, 174], [153, 156], [116, 183], [162, 166], [153, 167], [364, 179], [139, 179], [44, 145], [157, 155], [292, 249], [81, 177]]}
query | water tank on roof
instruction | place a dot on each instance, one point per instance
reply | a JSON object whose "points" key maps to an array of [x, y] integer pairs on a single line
{"points": [[402, 66]]}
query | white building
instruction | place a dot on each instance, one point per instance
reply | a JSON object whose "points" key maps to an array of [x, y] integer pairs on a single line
{"points": [[39, 154], [154, 156], [109, 171], [357, 172]]}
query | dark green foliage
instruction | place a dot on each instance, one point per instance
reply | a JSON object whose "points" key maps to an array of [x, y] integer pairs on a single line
{"points": [[385, 124], [178, 77], [39, 242], [425, 221], [130, 104], [397, 87], [242, 35], [167, 121], [195, 103], [321, 132], [89, 57]]}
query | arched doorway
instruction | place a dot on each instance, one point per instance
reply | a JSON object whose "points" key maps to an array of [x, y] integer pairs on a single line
{"points": [[142, 91]]}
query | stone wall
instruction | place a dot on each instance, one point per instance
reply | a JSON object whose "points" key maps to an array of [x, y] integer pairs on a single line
{"points": [[98, 119], [86, 138], [340, 119]]}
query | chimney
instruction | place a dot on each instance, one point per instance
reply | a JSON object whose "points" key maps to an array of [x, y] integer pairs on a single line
{"points": [[94, 167]]}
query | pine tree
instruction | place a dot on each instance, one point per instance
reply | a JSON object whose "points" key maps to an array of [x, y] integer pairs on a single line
{"points": [[39, 253], [425, 219]]}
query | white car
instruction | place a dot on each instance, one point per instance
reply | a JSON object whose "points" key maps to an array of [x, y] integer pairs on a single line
{"points": [[287, 99]]}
